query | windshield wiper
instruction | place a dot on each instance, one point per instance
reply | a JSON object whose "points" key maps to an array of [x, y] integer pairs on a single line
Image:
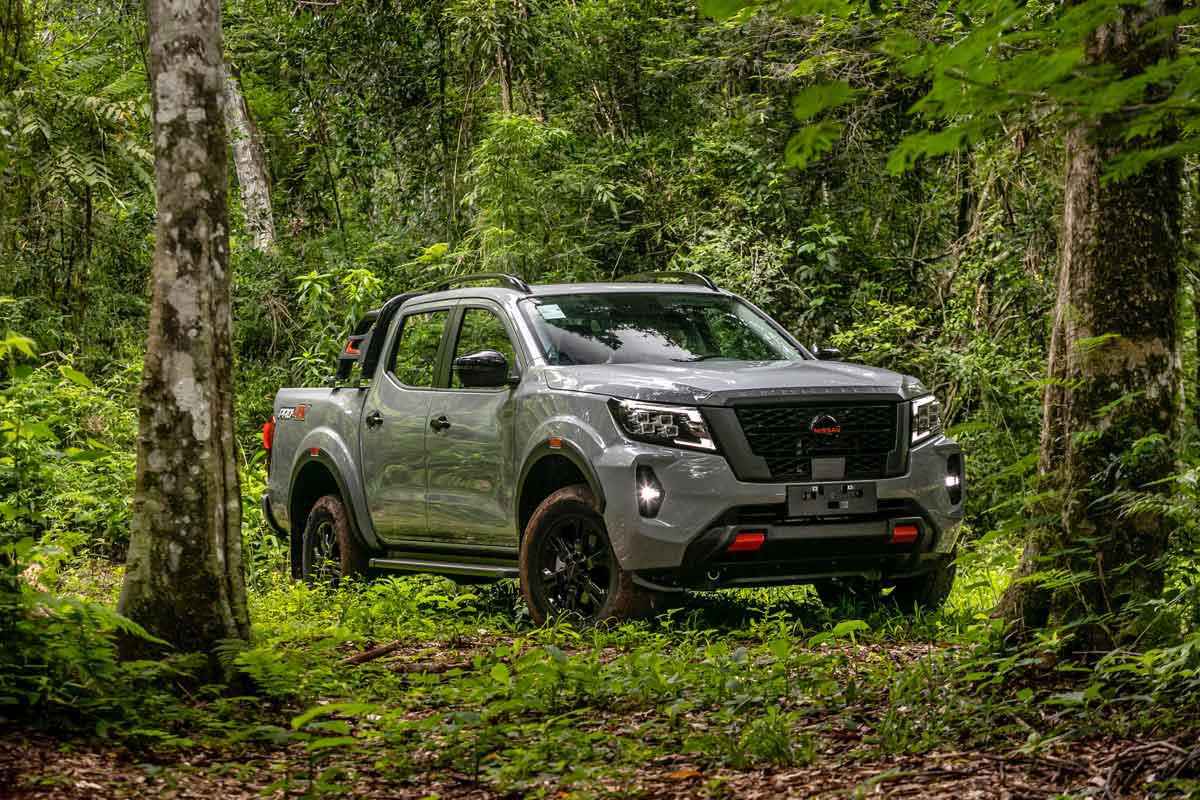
{"points": [[698, 358]]}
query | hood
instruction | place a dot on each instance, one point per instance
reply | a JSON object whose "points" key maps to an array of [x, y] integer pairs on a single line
{"points": [[717, 383]]}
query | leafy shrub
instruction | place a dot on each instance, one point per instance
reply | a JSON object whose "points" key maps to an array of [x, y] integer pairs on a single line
{"points": [[59, 658], [69, 467], [989, 390]]}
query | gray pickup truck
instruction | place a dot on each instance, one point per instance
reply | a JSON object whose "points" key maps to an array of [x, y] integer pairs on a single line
{"points": [[608, 443]]}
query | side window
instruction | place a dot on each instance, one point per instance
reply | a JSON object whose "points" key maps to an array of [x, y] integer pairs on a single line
{"points": [[414, 358], [481, 330]]}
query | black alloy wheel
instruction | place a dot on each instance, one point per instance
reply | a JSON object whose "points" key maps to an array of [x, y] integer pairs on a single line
{"points": [[575, 566], [331, 553], [569, 567], [326, 554]]}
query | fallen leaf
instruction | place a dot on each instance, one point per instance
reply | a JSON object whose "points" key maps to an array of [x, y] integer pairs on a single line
{"points": [[685, 774]]}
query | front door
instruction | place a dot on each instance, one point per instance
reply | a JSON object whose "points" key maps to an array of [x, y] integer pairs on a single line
{"points": [[395, 425], [471, 492]]}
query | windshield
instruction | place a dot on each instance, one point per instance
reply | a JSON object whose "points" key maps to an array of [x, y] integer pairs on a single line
{"points": [[653, 328]]}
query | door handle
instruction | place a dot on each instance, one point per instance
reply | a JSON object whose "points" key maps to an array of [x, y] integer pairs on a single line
{"points": [[374, 419], [439, 423]]}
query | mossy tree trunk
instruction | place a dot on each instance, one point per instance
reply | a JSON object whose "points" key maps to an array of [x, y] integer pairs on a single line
{"points": [[184, 581], [250, 164], [1111, 401]]}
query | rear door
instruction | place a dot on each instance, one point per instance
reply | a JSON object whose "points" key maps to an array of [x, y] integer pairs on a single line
{"points": [[471, 480], [395, 424]]}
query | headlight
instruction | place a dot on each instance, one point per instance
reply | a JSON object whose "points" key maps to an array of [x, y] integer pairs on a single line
{"points": [[926, 418], [674, 426]]}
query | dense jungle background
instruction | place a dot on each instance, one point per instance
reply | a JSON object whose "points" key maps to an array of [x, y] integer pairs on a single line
{"points": [[399, 142]]}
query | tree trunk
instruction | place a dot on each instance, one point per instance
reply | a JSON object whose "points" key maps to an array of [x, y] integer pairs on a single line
{"points": [[1196, 376], [250, 163], [13, 39], [1111, 401], [504, 72], [184, 579], [1193, 195]]}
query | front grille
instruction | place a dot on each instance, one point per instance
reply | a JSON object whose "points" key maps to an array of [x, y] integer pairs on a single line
{"points": [[781, 436]]}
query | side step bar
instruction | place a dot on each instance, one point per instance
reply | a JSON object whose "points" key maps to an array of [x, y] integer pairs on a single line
{"points": [[446, 567]]}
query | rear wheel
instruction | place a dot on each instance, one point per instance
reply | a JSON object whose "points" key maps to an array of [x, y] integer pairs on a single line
{"points": [[847, 593], [568, 567], [331, 552]]}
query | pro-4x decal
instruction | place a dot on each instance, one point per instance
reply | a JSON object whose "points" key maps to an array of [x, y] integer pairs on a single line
{"points": [[293, 412]]}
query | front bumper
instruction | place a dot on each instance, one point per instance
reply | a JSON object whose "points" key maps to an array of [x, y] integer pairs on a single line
{"points": [[705, 505]]}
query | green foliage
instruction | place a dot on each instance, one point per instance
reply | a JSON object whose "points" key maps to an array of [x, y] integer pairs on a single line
{"points": [[59, 655], [67, 469], [640, 137], [753, 680], [990, 65]]}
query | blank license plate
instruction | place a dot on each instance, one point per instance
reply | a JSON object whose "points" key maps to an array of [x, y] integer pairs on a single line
{"points": [[824, 499]]}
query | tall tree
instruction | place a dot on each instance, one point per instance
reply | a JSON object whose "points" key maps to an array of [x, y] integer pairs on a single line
{"points": [[1111, 400], [184, 581], [1112, 397], [250, 163]]}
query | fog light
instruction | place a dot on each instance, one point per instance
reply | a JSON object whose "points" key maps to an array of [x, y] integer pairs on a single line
{"points": [[954, 478], [649, 492], [905, 533], [747, 542]]}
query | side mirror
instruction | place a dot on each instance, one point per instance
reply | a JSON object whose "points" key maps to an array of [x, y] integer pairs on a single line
{"points": [[486, 369], [827, 353]]}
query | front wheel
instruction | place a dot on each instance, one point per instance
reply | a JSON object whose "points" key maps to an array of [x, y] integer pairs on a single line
{"points": [[568, 567], [929, 591], [331, 551]]}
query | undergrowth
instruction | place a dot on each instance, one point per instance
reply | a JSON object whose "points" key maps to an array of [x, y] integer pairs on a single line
{"points": [[736, 680]]}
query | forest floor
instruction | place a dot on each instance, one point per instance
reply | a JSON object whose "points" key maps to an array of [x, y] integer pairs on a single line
{"points": [[35, 765], [758, 694]]}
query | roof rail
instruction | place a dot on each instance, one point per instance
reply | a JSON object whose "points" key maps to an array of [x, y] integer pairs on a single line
{"points": [[690, 278], [511, 281]]}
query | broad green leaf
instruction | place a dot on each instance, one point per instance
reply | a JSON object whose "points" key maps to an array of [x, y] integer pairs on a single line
{"points": [[812, 141], [75, 376], [15, 341], [349, 709], [85, 456], [850, 626], [723, 9], [925, 144], [813, 100]]}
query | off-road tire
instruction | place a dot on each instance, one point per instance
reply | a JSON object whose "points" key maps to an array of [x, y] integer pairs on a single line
{"points": [[328, 522], [623, 600], [929, 591]]}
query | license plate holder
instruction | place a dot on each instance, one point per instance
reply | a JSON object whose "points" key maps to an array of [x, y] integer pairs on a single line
{"points": [[832, 499]]}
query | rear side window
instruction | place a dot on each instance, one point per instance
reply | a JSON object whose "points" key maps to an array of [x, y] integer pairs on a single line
{"points": [[414, 358]]}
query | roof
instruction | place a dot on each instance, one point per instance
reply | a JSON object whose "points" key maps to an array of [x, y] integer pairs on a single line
{"points": [[510, 286], [617, 286], [543, 289]]}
